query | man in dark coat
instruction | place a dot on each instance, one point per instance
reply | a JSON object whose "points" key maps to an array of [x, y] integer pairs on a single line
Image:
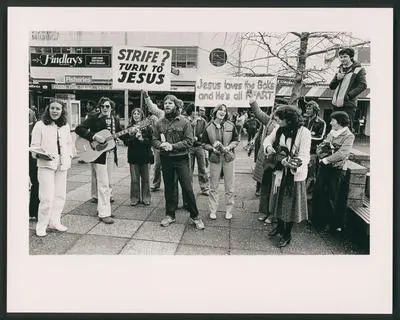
{"points": [[349, 82]]}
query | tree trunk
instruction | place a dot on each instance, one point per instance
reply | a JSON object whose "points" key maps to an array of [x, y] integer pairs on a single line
{"points": [[301, 67]]}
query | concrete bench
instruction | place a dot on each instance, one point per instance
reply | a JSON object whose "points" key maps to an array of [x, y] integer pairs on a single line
{"points": [[363, 212], [360, 157], [356, 178]]}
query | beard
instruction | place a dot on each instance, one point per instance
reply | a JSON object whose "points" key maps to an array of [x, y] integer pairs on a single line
{"points": [[171, 115]]}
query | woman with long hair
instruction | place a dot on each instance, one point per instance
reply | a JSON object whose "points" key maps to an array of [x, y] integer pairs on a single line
{"points": [[291, 141], [220, 138], [328, 205], [52, 141], [140, 156]]}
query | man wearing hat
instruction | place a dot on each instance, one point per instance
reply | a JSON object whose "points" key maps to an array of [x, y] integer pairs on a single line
{"points": [[317, 127], [349, 82]]}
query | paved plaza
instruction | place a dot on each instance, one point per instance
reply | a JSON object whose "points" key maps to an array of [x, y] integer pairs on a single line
{"points": [[137, 230]]}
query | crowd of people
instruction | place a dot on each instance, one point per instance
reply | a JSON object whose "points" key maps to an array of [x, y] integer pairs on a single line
{"points": [[296, 160]]}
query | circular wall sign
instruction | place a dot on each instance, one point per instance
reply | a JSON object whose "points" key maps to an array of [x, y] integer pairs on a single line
{"points": [[218, 57]]}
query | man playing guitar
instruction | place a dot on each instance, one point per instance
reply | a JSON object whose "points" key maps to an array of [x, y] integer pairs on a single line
{"points": [[104, 164]]}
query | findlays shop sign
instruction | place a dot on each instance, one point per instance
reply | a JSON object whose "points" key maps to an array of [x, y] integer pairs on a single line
{"points": [[232, 91], [142, 68]]}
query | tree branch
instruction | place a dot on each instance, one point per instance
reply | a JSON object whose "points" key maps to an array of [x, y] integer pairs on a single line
{"points": [[296, 34], [335, 48]]}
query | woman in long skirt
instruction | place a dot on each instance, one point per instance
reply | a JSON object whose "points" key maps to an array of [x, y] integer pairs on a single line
{"points": [[293, 140]]}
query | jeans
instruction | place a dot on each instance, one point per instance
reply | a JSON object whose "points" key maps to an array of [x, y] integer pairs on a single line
{"points": [[110, 166], [178, 166], [228, 168], [199, 154], [156, 170], [140, 183], [52, 194]]}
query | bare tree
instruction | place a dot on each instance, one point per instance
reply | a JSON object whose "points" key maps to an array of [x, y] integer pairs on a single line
{"points": [[288, 53]]}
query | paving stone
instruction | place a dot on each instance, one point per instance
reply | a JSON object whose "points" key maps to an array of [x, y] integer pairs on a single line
{"points": [[132, 213], [71, 205], [86, 209], [307, 243], [80, 178], [303, 227], [253, 240], [154, 231], [72, 185], [210, 236], [251, 205], [79, 224], [159, 213], [219, 222], [80, 194], [94, 244], [245, 220], [186, 249], [54, 243], [120, 228], [340, 243], [32, 224], [145, 247]]}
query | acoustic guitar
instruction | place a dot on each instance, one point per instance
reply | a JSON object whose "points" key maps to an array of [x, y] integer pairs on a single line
{"points": [[90, 151]]}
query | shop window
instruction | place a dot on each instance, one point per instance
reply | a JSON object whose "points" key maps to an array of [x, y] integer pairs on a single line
{"points": [[106, 50], [56, 50], [96, 50], [65, 50], [86, 50], [218, 57], [78, 50], [46, 50]]}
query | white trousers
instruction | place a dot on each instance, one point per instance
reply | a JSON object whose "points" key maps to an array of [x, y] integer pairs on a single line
{"points": [[110, 166], [228, 169], [103, 190], [52, 194]]}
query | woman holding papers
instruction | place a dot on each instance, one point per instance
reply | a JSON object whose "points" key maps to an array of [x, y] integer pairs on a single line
{"points": [[51, 145]]}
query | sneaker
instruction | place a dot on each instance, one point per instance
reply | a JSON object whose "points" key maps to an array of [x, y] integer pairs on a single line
{"points": [[32, 218], [154, 189], [269, 220], [94, 200], [146, 203], [59, 228], [257, 193], [134, 203], [262, 217], [199, 224], [107, 220], [228, 216], [213, 216], [112, 200], [41, 233], [205, 193], [167, 221]]}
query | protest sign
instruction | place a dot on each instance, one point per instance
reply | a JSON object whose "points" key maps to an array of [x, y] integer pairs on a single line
{"points": [[136, 68], [233, 91]]}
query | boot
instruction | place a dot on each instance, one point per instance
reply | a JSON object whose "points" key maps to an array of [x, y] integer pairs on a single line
{"points": [[279, 229], [287, 235]]}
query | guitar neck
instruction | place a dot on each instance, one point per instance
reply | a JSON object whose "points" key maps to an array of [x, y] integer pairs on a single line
{"points": [[125, 131]]}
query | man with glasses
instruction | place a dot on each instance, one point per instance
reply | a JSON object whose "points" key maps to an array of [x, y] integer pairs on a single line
{"points": [[105, 162]]}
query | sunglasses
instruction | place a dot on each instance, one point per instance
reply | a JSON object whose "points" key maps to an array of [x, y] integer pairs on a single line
{"points": [[105, 106]]}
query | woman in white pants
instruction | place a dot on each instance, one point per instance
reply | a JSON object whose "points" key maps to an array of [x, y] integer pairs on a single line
{"points": [[52, 139], [220, 138]]}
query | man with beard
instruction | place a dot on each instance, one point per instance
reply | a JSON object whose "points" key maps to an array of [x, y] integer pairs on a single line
{"points": [[173, 136]]}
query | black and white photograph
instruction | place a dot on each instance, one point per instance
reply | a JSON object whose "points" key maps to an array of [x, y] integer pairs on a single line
{"points": [[199, 143], [246, 151]]}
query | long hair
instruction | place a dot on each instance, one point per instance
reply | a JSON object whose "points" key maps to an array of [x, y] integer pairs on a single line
{"points": [[219, 107], [61, 121], [131, 121], [102, 100], [294, 121]]}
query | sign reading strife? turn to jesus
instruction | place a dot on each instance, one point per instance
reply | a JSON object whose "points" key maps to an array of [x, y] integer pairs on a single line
{"points": [[232, 91], [141, 68]]}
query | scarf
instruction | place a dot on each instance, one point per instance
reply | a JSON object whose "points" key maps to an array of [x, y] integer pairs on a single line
{"points": [[337, 133]]}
